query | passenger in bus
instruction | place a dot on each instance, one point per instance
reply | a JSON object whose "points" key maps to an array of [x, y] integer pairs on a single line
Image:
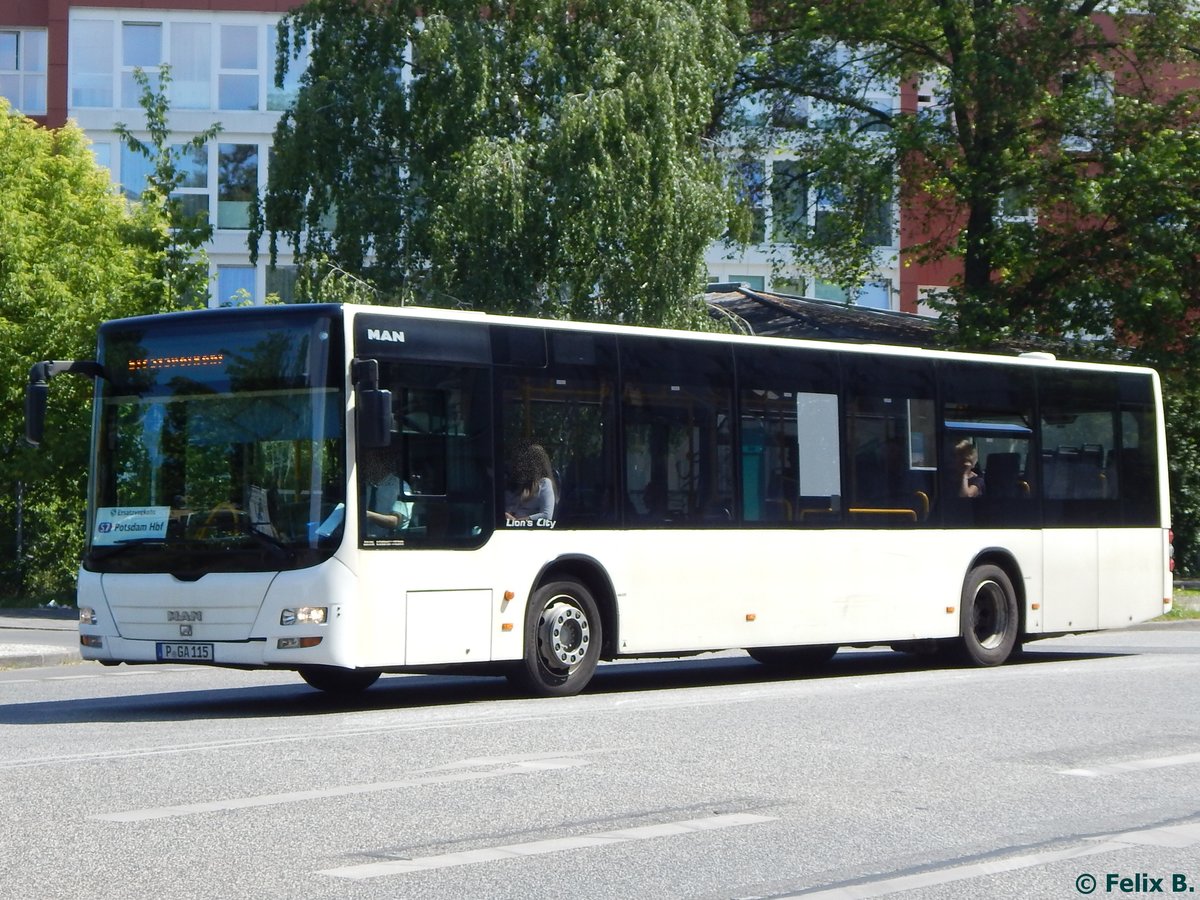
{"points": [[533, 495], [386, 509], [970, 482]]}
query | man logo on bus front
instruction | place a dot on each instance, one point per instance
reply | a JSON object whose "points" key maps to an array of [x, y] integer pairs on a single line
{"points": [[384, 334]]}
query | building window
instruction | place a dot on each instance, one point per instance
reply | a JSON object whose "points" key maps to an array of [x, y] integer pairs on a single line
{"points": [[754, 282], [92, 58], [823, 290], [135, 170], [192, 163], [878, 227], [282, 97], [23, 70], [235, 286], [789, 201], [750, 177], [141, 48], [789, 284], [875, 295], [102, 152], [191, 65], [281, 283], [238, 76], [237, 185]]}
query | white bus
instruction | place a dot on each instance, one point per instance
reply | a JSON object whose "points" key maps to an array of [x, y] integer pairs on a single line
{"points": [[707, 492]]}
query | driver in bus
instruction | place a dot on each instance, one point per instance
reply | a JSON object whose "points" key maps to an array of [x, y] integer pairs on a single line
{"points": [[386, 509]]}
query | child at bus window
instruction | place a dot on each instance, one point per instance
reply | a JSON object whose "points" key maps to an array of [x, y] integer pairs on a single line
{"points": [[534, 495], [970, 482], [386, 509]]}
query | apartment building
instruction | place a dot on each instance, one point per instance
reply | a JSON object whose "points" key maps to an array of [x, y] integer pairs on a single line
{"points": [[63, 59]]}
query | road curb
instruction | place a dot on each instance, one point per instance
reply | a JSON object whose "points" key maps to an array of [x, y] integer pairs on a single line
{"points": [[14, 656]]}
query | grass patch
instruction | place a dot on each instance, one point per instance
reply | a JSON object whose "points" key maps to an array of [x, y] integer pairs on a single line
{"points": [[1180, 613]]}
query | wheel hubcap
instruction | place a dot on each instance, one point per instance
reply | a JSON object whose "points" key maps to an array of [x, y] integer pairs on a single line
{"points": [[563, 635], [991, 615]]}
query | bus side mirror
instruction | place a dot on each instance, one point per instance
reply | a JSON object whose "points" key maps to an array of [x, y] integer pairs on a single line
{"points": [[374, 417], [35, 412], [38, 389]]}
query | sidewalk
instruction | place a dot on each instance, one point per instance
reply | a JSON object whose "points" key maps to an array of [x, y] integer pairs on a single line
{"points": [[38, 637]]}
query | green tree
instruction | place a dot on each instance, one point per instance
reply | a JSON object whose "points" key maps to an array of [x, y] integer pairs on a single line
{"points": [[73, 255], [182, 264], [1025, 106], [546, 157]]}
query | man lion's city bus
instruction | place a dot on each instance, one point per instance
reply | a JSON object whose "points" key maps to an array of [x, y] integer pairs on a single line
{"points": [[706, 492]]}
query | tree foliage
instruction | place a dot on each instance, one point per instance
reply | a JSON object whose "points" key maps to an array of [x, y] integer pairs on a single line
{"points": [[178, 248], [1040, 107], [73, 255], [545, 157]]}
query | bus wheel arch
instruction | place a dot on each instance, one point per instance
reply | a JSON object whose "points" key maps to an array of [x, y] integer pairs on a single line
{"points": [[592, 575], [991, 610]]}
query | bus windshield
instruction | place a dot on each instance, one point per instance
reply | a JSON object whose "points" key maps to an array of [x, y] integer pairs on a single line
{"points": [[217, 447]]}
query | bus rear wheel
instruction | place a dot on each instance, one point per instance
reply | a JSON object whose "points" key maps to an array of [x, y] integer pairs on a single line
{"points": [[333, 680], [562, 641], [989, 619]]}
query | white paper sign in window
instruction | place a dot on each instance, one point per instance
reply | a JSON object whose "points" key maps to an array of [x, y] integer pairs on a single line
{"points": [[117, 524]]}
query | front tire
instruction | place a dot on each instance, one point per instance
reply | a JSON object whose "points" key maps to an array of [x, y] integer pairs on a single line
{"points": [[333, 680], [563, 636], [989, 619]]}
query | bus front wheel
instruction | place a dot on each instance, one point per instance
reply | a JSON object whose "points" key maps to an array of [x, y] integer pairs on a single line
{"points": [[562, 641], [989, 619], [333, 680]]}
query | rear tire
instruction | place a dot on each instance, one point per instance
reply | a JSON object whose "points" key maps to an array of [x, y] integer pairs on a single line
{"points": [[563, 636], [333, 680], [797, 658], [989, 619]]}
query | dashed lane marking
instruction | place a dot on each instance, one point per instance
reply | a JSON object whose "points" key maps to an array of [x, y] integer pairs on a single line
{"points": [[541, 848]]}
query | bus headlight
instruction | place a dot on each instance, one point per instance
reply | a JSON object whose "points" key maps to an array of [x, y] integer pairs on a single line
{"points": [[87, 615], [305, 615]]}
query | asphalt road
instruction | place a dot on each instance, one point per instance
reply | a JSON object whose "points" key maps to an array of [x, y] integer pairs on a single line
{"points": [[705, 778]]}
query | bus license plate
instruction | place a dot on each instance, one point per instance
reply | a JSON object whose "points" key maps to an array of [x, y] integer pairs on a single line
{"points": [[184, 652]]}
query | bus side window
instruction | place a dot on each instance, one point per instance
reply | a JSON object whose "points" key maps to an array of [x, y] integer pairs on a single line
{"points": [[564, 401], [441, 451], [677, 409], [990, 407], [890, 442], [791, 460], [1080, 429]]}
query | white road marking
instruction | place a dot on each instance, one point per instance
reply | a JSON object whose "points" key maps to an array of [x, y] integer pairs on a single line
{"points": [[1135, 765], [936, 877], [1172, 836], [540, 848], [520, 765]]}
